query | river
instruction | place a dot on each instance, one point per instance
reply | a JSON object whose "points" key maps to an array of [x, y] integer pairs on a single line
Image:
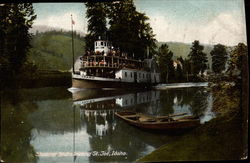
{"points": [[56, 124]]}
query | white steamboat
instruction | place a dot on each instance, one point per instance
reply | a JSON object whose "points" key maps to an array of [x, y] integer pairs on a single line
{"points": [[109, 68]]}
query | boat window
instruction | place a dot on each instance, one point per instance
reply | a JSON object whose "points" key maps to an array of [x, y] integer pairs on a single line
{"points": [[101, 43], [125, 74], [95, 43], [143, 76], [139, 75], [131, 74]]}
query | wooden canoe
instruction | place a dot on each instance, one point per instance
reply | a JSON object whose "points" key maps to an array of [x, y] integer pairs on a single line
{"points": [[163, 123]]}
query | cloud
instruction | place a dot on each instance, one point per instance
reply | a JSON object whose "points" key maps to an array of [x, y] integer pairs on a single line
{"points": [[225, 28], [63, 21]]}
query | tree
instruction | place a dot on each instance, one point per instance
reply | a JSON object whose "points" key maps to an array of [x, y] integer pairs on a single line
{"points": [[96, 14], [179, 70], [235, 61], [128, 29], [219, 58], [165, 61], [186, 67], [197, 58], [15, 21], [180, 59]]}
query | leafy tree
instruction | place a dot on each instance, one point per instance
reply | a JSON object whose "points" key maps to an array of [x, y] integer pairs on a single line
{"points": [[96, 14], [128, 29], [180, 59], [179, 72], [235, 62], [165, 62], [219, 58], [198, 58], [15, 21], [186, 67]]}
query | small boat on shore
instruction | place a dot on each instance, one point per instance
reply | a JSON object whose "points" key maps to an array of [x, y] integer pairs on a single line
{"points": [[161, 123]]}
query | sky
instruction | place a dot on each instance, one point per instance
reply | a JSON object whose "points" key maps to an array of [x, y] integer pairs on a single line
{"points": [[209, 21]]}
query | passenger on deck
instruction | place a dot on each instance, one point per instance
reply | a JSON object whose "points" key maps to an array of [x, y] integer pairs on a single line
{"points": [[87, 53]]}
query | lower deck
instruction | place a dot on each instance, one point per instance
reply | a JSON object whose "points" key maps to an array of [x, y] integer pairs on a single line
{"points": [[109, 83]]}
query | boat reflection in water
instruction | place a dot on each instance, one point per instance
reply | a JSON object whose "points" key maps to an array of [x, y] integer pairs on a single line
{"points": [[100, 111], [111, 139]]}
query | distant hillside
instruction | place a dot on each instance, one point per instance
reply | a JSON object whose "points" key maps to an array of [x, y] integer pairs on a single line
{"points": [[44, 28], [53, 50]]}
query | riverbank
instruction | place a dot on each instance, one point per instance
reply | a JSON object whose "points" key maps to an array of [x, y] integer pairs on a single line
{"points": [[38, 80], [180, 85], [222, 138]]}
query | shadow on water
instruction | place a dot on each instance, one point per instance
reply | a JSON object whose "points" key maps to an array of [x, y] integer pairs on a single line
{"points": [[53, 125], [16, 129]]}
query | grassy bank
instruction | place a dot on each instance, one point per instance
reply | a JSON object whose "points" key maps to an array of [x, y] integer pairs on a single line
{"points": [[219, 139]]}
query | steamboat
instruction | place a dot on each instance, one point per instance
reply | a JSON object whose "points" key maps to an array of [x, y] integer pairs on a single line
{"points": [[106, 67]]}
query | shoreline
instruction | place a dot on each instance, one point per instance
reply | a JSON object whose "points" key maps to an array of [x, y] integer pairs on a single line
{"points": [[227, 130], [39, 80], [55, 78]]}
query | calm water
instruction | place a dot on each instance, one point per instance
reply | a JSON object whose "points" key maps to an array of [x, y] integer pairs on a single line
{"points": [[54, 125]]}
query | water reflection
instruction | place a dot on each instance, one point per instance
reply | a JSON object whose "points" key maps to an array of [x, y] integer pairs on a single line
{"points": [[191, 100], [16, 132], [111, 134], [46, 125]]}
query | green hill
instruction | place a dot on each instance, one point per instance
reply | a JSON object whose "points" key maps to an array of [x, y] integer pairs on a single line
{"points": [[53, 50]]}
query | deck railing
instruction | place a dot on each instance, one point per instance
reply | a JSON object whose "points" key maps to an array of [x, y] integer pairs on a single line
{"points": [[100, 64], [109, 65], [110, 62]]}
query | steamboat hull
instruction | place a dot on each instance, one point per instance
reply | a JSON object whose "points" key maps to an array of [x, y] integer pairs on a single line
{"points": [[95, 84]]}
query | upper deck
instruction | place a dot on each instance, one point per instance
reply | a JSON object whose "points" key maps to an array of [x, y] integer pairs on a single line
{"points": [[102, 46], [111, 60]]}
